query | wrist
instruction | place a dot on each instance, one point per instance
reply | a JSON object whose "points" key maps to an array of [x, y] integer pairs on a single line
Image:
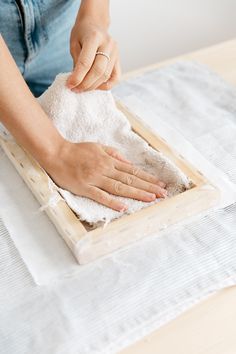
{"points": [[90, 12], [48, 154], [94, 21]]}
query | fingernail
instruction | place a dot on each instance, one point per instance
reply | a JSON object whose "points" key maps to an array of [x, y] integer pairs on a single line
{"points": [[164, 193], [76, 90], [70, 86], [162, 184], [123, 208], [151, 196]]}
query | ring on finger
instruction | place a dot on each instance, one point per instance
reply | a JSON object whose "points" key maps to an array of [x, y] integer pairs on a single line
{"points": [[104, 54]]}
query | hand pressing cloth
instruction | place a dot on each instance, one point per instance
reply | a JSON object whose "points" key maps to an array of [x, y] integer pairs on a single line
{"points": [[93, 116]]}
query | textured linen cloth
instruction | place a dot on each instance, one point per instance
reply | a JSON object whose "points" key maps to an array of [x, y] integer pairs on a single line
{"points": [[94, 117], [102, 307]]}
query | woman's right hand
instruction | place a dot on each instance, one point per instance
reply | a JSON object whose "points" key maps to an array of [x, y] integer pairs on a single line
{"points": [[97, 171]]}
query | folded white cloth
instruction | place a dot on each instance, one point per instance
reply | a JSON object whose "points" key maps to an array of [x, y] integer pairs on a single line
{"points": [[93, 116]]}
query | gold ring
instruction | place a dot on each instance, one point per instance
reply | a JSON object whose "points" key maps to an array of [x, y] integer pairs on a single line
{"points": [[104, 54]]}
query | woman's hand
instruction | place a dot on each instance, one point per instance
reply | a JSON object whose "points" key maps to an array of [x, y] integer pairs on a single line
{"points": [[86, 169], [97, 171], [92, 71]]}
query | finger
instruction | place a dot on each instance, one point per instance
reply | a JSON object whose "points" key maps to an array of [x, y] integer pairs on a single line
{"points": [[84, 63], [138, 172], [138, 183], [115, 153], [108, 72], [97, 70], [104, 78], [123, 190], [114, 78], [75, 50], [104, 198]]}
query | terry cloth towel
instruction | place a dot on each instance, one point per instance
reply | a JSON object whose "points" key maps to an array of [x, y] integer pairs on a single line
{"points": [[93, 116]]}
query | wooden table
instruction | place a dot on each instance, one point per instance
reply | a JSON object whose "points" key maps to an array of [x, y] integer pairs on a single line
{"points": [[210, 326]]}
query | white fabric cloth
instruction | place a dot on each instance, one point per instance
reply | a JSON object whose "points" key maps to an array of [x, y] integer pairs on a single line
{"points": [[102, 307], [93, 116]]}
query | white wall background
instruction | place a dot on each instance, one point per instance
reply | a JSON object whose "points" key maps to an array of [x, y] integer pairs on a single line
{"points": [[152, 30]]}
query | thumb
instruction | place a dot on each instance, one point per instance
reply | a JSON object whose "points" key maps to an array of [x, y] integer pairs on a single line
{"points": [[75, 50]]}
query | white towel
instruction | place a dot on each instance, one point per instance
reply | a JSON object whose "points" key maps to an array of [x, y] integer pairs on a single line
{"points": [[93, 116], [113, 302]]}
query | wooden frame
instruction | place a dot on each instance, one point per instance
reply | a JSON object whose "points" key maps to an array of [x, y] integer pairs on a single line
{"points": [[88, 244]]}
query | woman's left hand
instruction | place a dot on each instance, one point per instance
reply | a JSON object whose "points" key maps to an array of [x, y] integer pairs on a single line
{"points": [[91, 70]]}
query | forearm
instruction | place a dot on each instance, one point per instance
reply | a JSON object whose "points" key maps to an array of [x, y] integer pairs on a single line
{"points": [[21, 114], [97, 10]]}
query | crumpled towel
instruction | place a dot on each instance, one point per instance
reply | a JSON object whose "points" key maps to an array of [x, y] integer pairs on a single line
{"points": [[93, 116]]}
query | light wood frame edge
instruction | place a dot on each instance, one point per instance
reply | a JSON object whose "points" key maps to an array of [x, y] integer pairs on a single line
{"points": [[63, 218]]}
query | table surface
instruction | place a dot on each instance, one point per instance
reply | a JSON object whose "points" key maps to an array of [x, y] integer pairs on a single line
{"points": [[209, 327]]}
